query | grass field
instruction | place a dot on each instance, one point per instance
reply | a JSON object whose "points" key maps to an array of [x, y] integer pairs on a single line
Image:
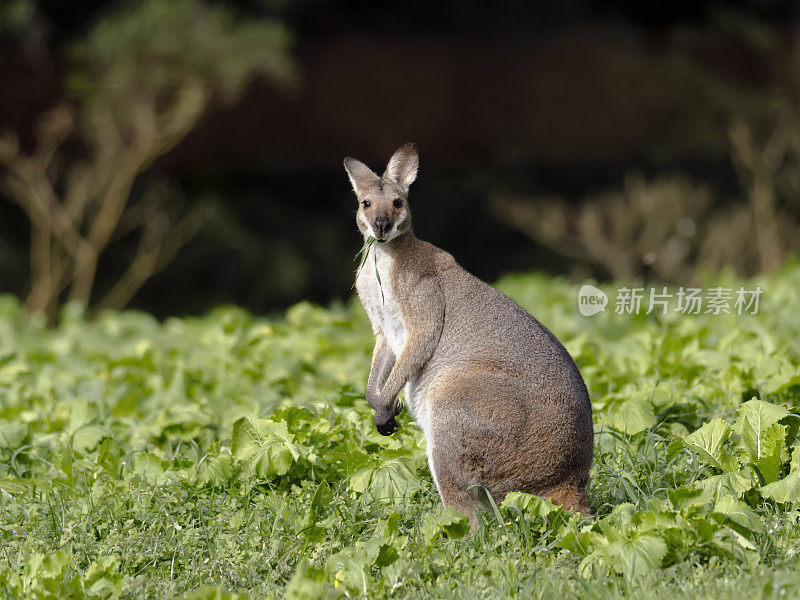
{"points": [[229, 454]]}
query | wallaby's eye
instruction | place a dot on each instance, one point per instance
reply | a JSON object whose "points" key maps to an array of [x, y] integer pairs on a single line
{"points": [[398, 203], [366, 203]]}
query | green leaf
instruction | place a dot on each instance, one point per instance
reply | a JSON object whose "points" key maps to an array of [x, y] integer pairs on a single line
{"points": [[307, 583], [265, 447], [391, 481], [753, 423], [47, 571], [447, 520], [784, 490], [732, 483], [740, 514], [318, 500], [685, 497], [707, 442], [10, 581], [387, 554], [149, 466], [579, 543], [352, 565], [12, 434], [216, 470], [675, 447], [729, 542], [630, 415], [529, 504], [103, 579], [637, 556], [453, 522], [214, 593], [87, 438], [769, 463], [389, 527]]}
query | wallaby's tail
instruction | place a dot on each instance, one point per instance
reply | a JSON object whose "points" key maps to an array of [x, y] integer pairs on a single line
{"points": [[571, 496]]}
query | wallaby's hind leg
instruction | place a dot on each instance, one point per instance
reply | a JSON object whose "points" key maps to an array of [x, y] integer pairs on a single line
{"points": [[487, 434], [454, 491], [454, 484]]}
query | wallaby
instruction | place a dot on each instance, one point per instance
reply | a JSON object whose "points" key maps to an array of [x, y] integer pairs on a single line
{"points": [[501, 403]]}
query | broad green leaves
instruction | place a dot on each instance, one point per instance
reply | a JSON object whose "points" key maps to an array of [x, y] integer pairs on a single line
{"points": [[733, 483], [391, 480], [739, 513], [631, 415], [244, 446], [707, 443], [87, 438], [149, 467], [788, 488], [265, 447], [52, 576], [12, 435], [761, 438], [448, 521], [751, 453], [637, 555], [307, 583], [211, 593], [785, 490], [608, 548]]}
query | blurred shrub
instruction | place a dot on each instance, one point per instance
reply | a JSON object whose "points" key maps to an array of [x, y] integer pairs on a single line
{"points": [[15, 16], [645, 223], [138, 83], [671, 226]]}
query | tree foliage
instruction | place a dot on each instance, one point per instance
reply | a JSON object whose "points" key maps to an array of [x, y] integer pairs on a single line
{"points": [[138, 83]]}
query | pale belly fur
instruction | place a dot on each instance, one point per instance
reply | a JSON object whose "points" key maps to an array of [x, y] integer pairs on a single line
{"points": [[385, 315]]}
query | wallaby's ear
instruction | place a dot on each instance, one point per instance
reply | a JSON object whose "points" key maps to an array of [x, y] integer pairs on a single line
{"points": [[402, 167], [360, 174]]}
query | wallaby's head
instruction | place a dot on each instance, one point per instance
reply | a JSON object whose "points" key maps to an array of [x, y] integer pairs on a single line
{"points": [[383, 200]]}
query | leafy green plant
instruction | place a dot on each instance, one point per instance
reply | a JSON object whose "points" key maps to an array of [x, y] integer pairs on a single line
{"points": [[147, 459]]}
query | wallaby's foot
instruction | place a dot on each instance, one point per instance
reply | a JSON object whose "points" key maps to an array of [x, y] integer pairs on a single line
{"points": [[567, 495], [453, 492], [472, 515]]}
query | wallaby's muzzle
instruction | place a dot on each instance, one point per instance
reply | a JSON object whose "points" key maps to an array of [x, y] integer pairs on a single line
{"points": [[382, 227]]}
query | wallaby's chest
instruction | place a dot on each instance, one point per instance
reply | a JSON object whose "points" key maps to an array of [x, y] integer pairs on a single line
{"points": [[374, 285]]}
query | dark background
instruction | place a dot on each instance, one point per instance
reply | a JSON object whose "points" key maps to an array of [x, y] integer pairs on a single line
{"points": [[562, 98]]}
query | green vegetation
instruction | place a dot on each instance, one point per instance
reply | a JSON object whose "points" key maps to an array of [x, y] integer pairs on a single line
{"points": [[144, 459]]}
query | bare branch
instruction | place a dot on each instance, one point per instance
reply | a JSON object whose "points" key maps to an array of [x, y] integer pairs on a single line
{"points": [[156, 249]]}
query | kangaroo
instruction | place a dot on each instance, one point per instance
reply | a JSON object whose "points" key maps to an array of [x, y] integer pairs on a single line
{"points": [[501, 403]]}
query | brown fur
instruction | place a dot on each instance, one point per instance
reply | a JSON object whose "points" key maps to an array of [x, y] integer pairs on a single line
{"points": [[500, 400]]}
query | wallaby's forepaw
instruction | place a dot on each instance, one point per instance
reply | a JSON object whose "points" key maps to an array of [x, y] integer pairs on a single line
{"points": [[385, 423]]}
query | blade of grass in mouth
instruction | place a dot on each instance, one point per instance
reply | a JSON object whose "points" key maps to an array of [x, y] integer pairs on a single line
{"points": [[362, 255]]}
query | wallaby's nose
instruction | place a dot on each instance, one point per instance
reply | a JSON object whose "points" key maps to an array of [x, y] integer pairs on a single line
{"points": [[382, 226]]}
